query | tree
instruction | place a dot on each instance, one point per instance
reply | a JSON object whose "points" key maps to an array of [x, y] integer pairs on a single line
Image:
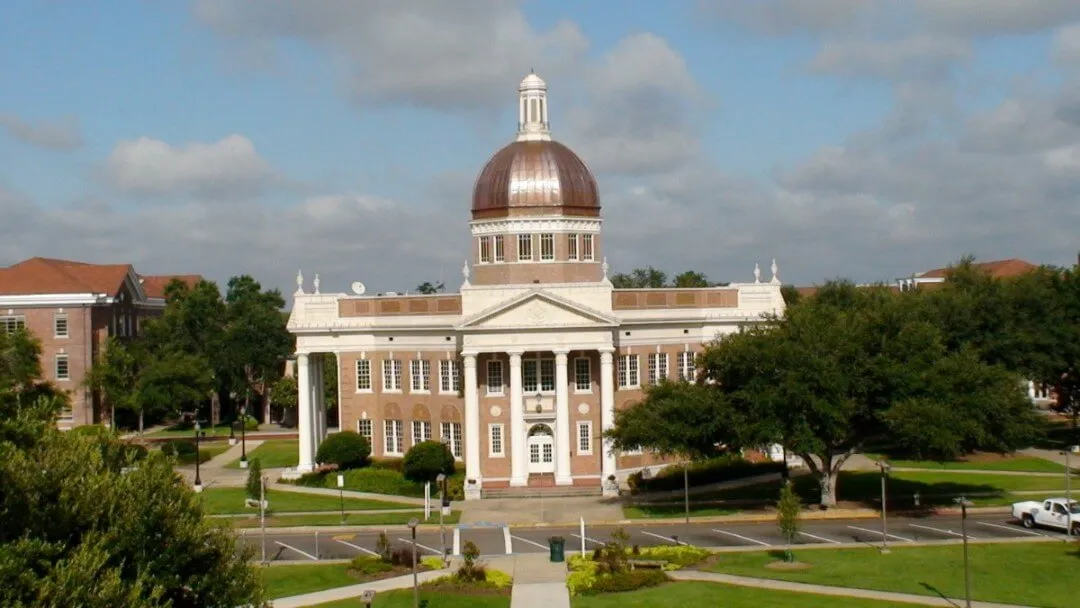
{"points": [[788, 509], [691, 278], [20, 360], [254, 338], [425, 460], [172, 383], [640, 278], [790, 294], [114, 376], [285, 394], [675, 419], [428, 288], [82, 526], [253, 486], [346, 449]]}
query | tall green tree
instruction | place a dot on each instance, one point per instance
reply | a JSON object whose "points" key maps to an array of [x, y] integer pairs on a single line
{"points": [[690, 278], [114, 376], [20, 371], [255, 340], [174, 383], [680, 419], [428, 288], [640, 278]]}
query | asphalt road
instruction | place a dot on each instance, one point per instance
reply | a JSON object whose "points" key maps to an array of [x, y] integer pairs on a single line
{"points": [[495, 540]]}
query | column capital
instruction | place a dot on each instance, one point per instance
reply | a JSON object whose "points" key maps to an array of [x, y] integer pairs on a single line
{"points": [[561, 351], [469, 361], [606, 357], [515, 357], [302, 357], [560, 358]]}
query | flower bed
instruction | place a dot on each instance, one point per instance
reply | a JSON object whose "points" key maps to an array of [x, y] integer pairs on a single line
{"points": [[610, 569]]}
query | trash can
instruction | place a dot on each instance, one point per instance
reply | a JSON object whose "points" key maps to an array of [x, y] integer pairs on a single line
{"points": [[557, 545]]}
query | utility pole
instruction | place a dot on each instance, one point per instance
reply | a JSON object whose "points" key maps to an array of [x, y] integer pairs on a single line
{"points": [[262, 514], [964, 504], [884, 508]]}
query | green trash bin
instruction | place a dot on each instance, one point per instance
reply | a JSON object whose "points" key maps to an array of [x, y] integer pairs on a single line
{"points": [[557, 545]]}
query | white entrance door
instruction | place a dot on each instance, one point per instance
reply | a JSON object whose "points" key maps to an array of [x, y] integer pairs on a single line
{"points": [[541, 446]]}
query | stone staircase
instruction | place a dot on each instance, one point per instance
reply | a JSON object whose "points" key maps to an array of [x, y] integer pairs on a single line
{"points": [[537, 492]]}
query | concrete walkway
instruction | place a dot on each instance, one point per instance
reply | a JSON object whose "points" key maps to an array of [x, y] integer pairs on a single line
{"points": [[214, 472], [285, 487], [765, 583], [1054, 456], [538, 583], [344, 593]]}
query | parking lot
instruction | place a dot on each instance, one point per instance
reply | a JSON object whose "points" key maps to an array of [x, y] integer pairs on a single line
{"points": [[495, 539]]}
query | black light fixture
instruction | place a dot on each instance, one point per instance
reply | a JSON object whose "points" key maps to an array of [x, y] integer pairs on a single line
{"points": [[198, 479], [539, 402]]}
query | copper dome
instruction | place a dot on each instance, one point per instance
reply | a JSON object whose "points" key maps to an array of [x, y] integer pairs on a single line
{"points": [[535, 176]]}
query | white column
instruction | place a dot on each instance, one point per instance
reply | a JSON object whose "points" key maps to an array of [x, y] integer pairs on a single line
{"points": [[607, 417], [304, 415], [318, 387], [562, 421], [473, 476], [519, 475]]}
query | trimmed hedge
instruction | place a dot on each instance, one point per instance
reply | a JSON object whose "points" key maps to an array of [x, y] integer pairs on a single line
{"points": [[347, 449], [629, 580], [426, 460], [382, 481], [724, 468]]}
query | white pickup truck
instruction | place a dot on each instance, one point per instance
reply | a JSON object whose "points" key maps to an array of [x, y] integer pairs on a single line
{"points": [[1051, 513]]}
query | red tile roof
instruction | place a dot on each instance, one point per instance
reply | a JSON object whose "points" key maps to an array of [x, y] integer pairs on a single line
{"points": [[999, 269], [49, 276], [154, 285]]}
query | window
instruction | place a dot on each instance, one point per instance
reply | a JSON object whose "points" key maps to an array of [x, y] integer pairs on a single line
{"points": [[547, 247], [571, 247], [451, 436], [11, 324], [495, 443], [657, 367], [394, 432], [500, 254], [364, 428], [584, 433], [586, 247], [582, 375], [494, 377], [420, 370], [628, 372], [538, 375], [485, 249], [62, 371], [524, 247], [60, 326], [421, 431], [687, 371], [363, 375], [449, 376], [391, 375]]}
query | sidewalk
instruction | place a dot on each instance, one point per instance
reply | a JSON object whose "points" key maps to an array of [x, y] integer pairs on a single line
{"points": [[344, 593], [765, 583], [287, 487], [538, 583], [214, 472], [1054, 456]]}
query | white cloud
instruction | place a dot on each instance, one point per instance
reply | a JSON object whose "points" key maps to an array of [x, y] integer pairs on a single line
{"points": [[61, 134], [916, 58], [150, 166], [1067, 44]]}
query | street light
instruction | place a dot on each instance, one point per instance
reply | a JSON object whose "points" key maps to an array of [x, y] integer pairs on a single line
{"points": [[964, 504], [415, 581], [441, 480], [243, 446], [198, 478], [884, 507]]}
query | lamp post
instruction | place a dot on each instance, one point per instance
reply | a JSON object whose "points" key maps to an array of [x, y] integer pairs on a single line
{"points": [[198, 478], [884, 507], [441, 480], [415, 581], [964, 504], [243, 445]]}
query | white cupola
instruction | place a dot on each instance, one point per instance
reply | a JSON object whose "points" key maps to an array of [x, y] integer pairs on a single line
{"points": [[533, 110]]}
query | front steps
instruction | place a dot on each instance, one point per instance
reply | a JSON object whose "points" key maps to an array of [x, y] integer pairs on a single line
{"points": [[545, 491]]}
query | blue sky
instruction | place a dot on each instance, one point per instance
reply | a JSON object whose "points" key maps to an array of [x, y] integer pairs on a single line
{"points": [[838, 136]]}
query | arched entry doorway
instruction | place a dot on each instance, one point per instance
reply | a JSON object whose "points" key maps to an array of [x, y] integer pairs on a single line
{"points": [[541, 446]]}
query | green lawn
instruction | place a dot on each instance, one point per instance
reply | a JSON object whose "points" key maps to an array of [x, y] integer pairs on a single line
{"points": [[351, 519], [273, 454], [694, 593], [206, 453], [675, 510], [1011, 463], [1033, 574], [218, 501], [441, 599], [283, 581], [221, 430]]}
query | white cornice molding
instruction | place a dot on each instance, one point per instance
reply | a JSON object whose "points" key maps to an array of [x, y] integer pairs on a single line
{"points": [[54, 299], [517, 225]]}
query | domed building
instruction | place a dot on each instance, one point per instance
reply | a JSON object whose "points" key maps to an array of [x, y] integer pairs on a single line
{"points": [[522, 369]]}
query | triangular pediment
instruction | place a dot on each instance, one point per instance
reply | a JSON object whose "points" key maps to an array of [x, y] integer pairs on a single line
{"points": [[537, 309]]}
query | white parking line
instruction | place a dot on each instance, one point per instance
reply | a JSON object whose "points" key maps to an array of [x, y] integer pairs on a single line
{"points": [[1011, 528], [878, 533], [304, 553], [821, 538], [940, 530], [668, 538], [457, 541], [359, 548], [506, 540], [525, 540], [591, 540], [435, 551], [740, 536]]}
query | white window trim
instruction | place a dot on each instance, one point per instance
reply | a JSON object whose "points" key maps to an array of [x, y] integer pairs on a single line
{"points": [[502, 379], [485, 244], [56, 368], [371, 382], [391, 364], [425, 378], [591, 255], [573, 251], [532, 249], [577, 438], [415, 439], [67, 325], [581, 391], [400, 435], [541, 238], [360, 431], [451, 367], [498, 249], [539, 376], [502, 440], [637, 380], [449, 440]]}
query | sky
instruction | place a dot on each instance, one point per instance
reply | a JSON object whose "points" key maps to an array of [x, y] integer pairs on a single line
{"points": [[861, 139]]}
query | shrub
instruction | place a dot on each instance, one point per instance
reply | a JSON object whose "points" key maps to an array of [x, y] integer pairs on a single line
{"points": [[471, 571], [723, 468], [676, 556], [432, 563], [383, 548], [402, 556], [89, 430], [366, 565], [390, 464], [425, 460], [613, 555], [178, 447], [250, 424], [380, 481], [499, 579], [629, 580], [254, 480], [347, 449]]}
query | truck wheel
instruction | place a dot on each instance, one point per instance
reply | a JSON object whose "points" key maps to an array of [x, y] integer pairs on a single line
{"points": [[1028, 521], [1076, 528]]}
